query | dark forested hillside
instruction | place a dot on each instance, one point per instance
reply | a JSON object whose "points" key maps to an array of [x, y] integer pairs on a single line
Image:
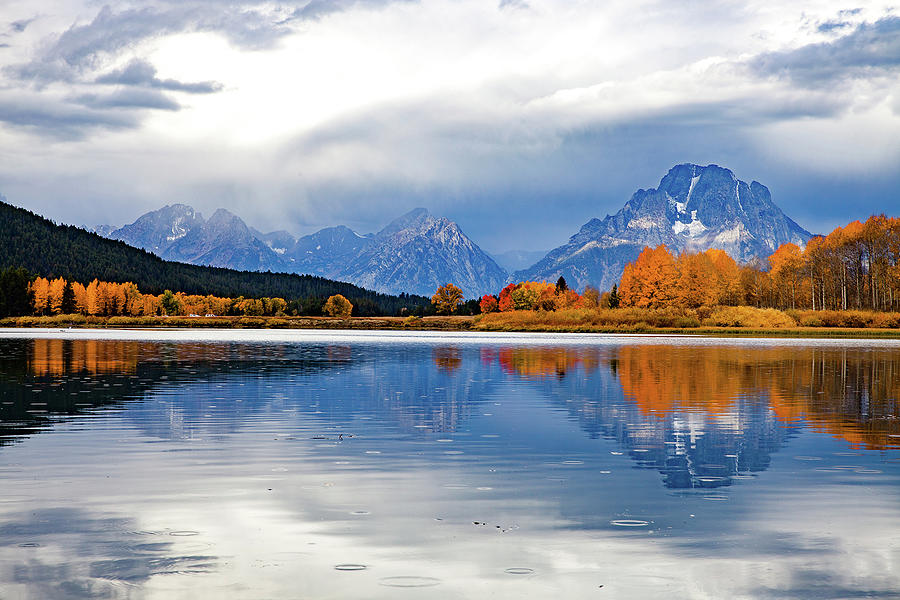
{"points": [[50, 250]]}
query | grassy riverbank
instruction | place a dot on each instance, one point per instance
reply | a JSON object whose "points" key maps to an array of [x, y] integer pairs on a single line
{"points": [[717, 321], [452, 323], [721, 321]]}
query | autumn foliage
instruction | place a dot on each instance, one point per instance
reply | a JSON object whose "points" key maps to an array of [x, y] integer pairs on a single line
{"points": [[447, 299], [856, 267], [107, 299], [338, 306], [488, 304], [659, 280], [532, 295]]}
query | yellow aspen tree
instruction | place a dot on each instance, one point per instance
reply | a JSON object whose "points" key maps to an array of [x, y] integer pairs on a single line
{"points": [[338, 306], [696, 282], [151, 304], [55, 295], [118, 298], [92, 298], [447, 299], [134, 304], [40, 288], [786, 265], [650, 282], [728, 277], [80, 297], [103, 298]]}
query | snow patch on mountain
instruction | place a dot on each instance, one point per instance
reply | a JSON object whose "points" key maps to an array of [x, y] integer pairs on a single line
{"points": [[725, 213]]}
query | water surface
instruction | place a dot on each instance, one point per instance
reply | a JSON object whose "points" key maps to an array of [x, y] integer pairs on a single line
{"points": [[362, 464]]}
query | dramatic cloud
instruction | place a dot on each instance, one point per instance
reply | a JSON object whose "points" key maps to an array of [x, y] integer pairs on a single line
{"points": [[64, 120], [519, 119], [870, 50]]}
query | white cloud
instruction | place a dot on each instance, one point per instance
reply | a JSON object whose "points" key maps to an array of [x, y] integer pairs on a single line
{"points": [[452, 103]]}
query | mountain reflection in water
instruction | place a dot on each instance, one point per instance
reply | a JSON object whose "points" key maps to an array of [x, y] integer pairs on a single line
{"points": [[144, 463], [691, 412]]}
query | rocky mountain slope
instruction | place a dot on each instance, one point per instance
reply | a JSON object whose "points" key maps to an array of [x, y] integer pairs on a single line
{"points": [[694, 208], [419, 252], [179, 233], [415, 253]]}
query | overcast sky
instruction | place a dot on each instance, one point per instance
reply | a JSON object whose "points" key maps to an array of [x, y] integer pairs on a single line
{"points": [[519, 119]]}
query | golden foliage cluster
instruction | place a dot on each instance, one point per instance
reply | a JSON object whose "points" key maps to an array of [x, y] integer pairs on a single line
{"points": [[338, 306], [854, 268], [103, 298]]}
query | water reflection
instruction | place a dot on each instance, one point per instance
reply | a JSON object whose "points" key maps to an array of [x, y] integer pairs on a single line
{"points": [[150, 469]]}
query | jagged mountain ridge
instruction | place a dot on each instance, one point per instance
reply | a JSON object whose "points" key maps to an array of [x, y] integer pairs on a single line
{"points": [[177, 232], [421, 252], [415, 253], [328, 250], [694, 208]]}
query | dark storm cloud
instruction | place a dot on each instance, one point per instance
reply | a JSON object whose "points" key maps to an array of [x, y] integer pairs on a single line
{"points": [[129, 98], [60, 120], [141, 73], [872, 49]]}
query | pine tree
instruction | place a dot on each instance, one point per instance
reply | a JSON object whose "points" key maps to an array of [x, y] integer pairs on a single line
{"points": [[614, 300], [68, 299]]}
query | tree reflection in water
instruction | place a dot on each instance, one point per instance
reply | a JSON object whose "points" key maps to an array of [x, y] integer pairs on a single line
{"points": [[703, 414]]}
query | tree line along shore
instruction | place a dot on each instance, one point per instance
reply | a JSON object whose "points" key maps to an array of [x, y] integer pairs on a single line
{"points": [[848, 280]]}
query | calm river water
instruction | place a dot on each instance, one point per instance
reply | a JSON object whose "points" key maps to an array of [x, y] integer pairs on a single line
{"points": [[387, 465]]}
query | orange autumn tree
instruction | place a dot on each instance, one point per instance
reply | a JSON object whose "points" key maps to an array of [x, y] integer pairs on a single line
{"points": [[695, 285], [649, 282], [55, 296], [40, 290], [505, 302], [728, 277], [104, 298], [80, 297], [338, 306], [488, 304], [785, 271], [447, 299], [568, 298]]}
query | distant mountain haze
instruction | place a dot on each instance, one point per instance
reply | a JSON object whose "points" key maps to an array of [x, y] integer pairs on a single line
{"points": [[416, 253], [516, 260], [694, 208]]}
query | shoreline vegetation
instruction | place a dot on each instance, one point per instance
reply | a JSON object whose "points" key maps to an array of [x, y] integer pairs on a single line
{"points": [[720, 321], [846, 284]]}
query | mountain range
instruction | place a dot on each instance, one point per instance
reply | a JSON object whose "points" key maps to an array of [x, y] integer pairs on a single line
{"points": [[693, 208], [50, 250], [415, 253]]}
